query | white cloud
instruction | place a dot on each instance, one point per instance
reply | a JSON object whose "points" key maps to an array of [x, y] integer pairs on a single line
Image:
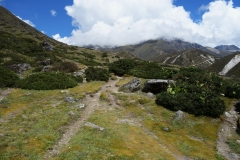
{"points": [[121, 22], [53, 12], [26, 21]]}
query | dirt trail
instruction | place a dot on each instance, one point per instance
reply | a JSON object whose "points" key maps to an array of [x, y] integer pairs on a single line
{"points": [[92, 102], [228, 127]]}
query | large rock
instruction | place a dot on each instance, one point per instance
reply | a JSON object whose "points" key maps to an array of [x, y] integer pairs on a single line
{"points": [[19, 68], [156, 86], [47, 46], [132, 86]]}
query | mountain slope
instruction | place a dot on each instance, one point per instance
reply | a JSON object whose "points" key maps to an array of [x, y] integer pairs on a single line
{"points": [[193, 57], [21, 43], [151, 49], [229, 65]]}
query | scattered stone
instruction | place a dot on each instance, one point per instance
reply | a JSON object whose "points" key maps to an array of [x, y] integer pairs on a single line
{"points": [[234, 156], [70, 100], [132, 86], [64, 91], [89, 124], [150, 95], [46, 68], [80, 106], [228, 115], [45, 62], [238, 141], [156, 86], [76, 74], [179, 115], [232, 112], [71, 113], [166, 129], [19, 68]]}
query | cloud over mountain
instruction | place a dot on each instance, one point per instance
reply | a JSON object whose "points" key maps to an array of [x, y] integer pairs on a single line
{"points": [[121, 22], [26, 21]]}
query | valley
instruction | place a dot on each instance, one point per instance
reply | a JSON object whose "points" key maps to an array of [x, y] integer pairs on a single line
{"points": [[60, 101]]}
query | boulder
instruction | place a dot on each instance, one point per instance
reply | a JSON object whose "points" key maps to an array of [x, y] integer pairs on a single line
{"points": [[132, 86], [19, 68], [150, 95], [166, 129], [179, 115], [156, 86]]}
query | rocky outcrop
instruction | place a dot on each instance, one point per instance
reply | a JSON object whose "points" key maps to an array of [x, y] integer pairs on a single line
{"points": [[19, 68], [132, 86], [47, 46], [156, 86]]}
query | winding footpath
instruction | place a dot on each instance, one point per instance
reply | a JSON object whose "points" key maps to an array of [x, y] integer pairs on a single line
{"points": [[92, 104]]}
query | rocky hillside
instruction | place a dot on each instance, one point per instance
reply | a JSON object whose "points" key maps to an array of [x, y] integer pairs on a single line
{"points": [[228, 66], [193, 57]]}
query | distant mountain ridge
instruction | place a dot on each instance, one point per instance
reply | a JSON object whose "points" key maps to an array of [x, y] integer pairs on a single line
{"points": [[230, 48]]}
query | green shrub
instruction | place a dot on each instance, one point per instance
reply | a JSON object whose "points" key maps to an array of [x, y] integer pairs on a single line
{"points": [[231, 88], [47, 81], [122, 66], [8, 78], [194, 100], [65, 67], [196, 92], [97, 74], [151, 70], [78, 79]]}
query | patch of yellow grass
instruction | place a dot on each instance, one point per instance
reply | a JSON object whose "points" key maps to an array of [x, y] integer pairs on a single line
{"points": [[124, 81]]}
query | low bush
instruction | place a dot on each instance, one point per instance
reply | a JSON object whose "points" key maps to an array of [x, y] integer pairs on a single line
{"points": [[97, 74], [122, 66], [194, 100], [79, 79], [196, 92], [47, 81], [66, 67], [142, 69], [8, 78]]}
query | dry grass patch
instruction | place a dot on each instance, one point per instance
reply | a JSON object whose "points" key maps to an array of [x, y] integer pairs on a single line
{"points": [[33, 121]]}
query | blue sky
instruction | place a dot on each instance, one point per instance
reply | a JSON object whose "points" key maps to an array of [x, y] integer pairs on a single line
{"points": [[113, 23]]}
